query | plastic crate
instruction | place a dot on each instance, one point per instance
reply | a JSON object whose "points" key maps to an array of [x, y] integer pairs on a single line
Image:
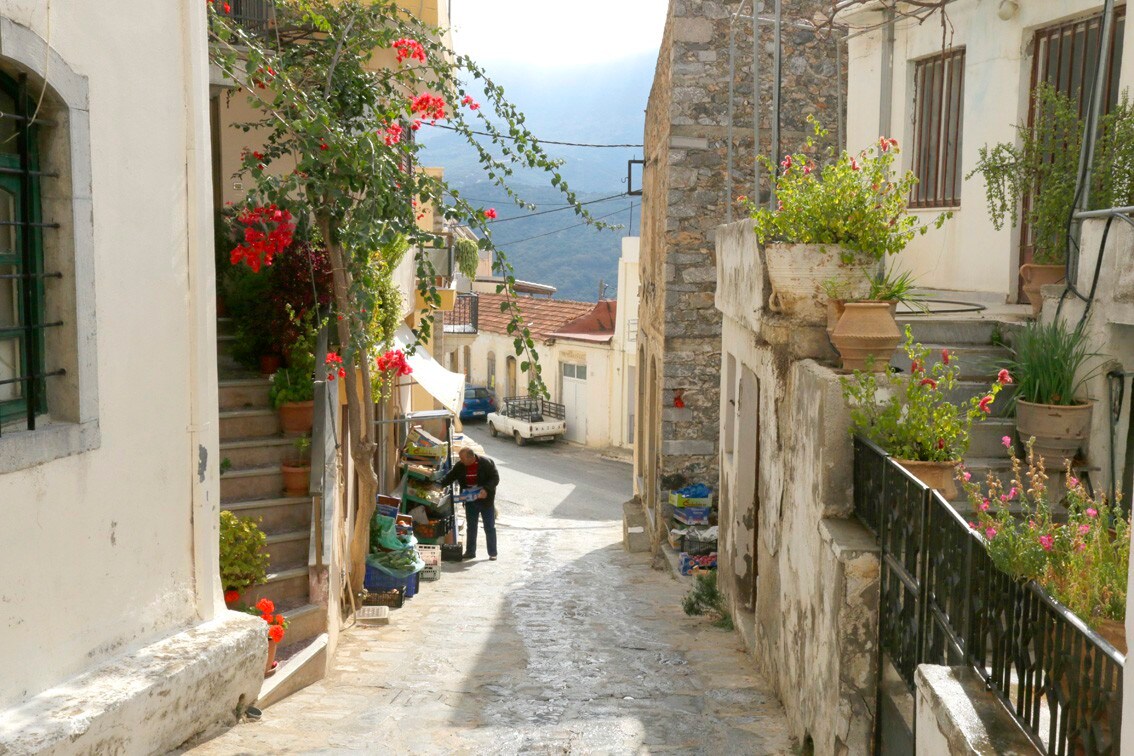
{"points": [[678, 501], [378, 581], [429, 553], [692, 515], [435, 528], [695, 546], [393, 598], [688, 562], [431, 572], [452, 552]]}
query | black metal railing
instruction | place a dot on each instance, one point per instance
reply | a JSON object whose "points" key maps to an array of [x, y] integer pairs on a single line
{"points": [[943, 601], [256, 16], [464, 317]]}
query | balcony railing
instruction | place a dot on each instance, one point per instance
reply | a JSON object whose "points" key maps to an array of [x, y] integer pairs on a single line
{"points": [[943, 601], [463, 318], [256, 16]]}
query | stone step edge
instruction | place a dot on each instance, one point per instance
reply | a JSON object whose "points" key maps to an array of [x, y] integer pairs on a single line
{"points": [[244, 382], [251, 472], [253, 442], [272, 501], [254, 412], [289, 535], [306, 667]]}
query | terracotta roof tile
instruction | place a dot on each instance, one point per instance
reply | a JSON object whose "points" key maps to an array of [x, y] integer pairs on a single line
{"points": [[543, 316]]}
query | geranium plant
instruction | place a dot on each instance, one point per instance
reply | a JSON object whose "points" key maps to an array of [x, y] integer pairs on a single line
{"points": [[277, 623], [853, 201], [1082, 560], [909, 414]]}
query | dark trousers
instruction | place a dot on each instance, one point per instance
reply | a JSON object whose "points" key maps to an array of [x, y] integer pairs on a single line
{"points": [[473, 511]]}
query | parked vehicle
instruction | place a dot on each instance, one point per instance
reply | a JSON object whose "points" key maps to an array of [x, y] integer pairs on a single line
{"points": [[526, 418], [478, 403]]}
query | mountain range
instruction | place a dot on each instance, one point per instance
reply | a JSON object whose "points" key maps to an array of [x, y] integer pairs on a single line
{"points": [[581, 105]]}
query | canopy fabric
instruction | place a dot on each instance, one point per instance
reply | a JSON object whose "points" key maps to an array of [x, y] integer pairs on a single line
{"points": [[445, 386]]}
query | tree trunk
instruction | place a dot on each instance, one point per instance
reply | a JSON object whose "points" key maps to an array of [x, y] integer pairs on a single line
{"points": [[360, 412]]}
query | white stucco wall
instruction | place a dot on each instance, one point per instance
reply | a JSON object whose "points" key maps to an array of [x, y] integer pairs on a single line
{"points": [[113, 549], [967, 254], [625, 345]]}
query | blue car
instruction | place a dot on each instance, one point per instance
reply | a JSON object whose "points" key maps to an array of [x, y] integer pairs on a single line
{"points": [[478, 403]]}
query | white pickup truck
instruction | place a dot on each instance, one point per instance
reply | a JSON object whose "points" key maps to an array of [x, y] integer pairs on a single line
{"points": [[525, 418]]}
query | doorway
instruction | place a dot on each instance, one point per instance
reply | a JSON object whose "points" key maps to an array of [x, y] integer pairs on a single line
{"points": [[573, 394]]}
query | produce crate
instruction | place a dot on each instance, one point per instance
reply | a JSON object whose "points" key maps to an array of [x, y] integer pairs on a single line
{"points": [[675, 540], [692, 515], [431, 572], [435, 528], [452, 552], [378, 581], [429, 553], [678, 501], [688, 562], [392, 598], [387, 510], [694, 546]]}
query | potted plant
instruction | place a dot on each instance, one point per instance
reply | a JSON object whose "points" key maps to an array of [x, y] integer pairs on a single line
{"points": [[296, 471], [292, 392], [1047, 363], [1081, 558], [277, 627], [910, 416], [243, 561], [832, 222], [864, 330]]}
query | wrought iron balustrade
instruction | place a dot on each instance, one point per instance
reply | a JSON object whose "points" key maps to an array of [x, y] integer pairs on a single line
{"points": [[256, 16], [943, 601], [464, 317]]}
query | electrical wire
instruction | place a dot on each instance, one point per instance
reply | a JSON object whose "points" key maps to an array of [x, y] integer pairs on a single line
{"points": [[565, 228], [539, 141], [556, 210]]}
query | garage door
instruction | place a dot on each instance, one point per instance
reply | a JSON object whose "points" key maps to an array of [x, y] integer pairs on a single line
{"points": [[575, 401]]}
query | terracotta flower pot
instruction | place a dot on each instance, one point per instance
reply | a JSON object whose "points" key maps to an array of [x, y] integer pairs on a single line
{"points": [[938, 475], [1114, 632], [835, 308], [867, 330], [270, 664], [296, 478], [1036, 276], [270, 363], [296, 418], [797, 273], [1060, 431]]}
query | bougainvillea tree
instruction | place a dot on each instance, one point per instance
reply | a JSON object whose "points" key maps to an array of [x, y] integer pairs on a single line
{"points": [[340, 156]]}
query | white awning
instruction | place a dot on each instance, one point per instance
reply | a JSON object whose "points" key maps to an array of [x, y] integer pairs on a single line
{"points": [[444, 385]]}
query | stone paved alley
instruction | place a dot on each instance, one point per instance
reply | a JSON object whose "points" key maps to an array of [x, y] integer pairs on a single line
{"points": [[566, 645]]}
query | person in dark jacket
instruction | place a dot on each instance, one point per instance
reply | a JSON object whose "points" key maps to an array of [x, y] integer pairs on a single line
{"points": [[474, 471]]}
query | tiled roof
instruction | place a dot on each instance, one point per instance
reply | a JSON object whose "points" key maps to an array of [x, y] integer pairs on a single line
{"points": [[596, 325], [543, 316]]}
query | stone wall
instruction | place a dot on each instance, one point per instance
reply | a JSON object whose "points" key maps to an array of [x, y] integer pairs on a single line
{"points": [[685, 184], [800, 576]]}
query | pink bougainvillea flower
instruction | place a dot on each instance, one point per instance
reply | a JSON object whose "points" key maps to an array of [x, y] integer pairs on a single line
{"points": [[985, 405], [470, 103], [1047, 541], [408, 48], [1092, 512], [1006, 441], [1004, 376]]}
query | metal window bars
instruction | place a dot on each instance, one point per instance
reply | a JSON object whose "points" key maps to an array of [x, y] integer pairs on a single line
{"points": [[940, 83], [32, 323], [465, 315], [258, 17], [943, 601]]}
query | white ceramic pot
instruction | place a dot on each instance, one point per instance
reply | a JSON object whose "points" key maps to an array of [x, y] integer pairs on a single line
{"points": [[797, 273]]}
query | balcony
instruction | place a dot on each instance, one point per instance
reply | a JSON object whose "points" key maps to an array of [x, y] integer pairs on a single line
{"points": [[256, 16], [462, 319]]}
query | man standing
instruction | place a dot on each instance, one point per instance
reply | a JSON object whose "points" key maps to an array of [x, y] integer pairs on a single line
{"points": [[473, 471]]}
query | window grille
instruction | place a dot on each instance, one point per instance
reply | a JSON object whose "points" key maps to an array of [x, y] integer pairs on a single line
{"points": [[939, 113]]}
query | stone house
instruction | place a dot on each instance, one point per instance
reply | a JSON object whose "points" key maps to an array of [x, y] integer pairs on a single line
{"points": [[685, 187], [113, 630]]}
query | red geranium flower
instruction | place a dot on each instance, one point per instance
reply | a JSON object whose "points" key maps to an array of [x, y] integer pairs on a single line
{"points": [[276, 633], [266, 606], [231, 597]]}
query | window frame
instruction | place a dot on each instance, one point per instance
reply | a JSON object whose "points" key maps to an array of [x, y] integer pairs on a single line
{"points": [[938, 130]]}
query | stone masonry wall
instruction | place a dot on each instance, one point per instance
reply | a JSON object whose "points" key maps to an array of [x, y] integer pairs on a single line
{"points": [[684, 199]]}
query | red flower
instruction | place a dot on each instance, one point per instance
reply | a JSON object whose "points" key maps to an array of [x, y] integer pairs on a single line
{"points": [[409, 48], [231, 597], [394, 361], [227, 8], [984, 405], [1004, 377], [490, 213], [940, 443], [278, 620], [470, 103], [928, 382], [915, 367], [392, 134], [266, 606], [786, 164], [429, 106], [323, 146], [945, 356], [267, 232], [276, 633]]}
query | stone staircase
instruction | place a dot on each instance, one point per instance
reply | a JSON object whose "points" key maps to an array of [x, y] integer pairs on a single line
{"points": [[251, 441], [970, 341]]}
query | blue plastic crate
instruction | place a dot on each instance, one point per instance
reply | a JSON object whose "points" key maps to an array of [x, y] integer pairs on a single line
{"points": [[692, 515], [376, 580]]}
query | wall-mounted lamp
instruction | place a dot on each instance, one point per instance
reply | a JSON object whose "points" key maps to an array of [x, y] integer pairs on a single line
{"points": [[1008, 9]]}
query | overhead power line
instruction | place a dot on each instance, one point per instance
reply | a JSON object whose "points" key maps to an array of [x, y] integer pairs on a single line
{"points": [[556, 210], [565, 228], [540, 141]]}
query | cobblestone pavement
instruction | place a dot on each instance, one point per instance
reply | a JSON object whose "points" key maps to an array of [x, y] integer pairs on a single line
{"points": [[566, 645]]}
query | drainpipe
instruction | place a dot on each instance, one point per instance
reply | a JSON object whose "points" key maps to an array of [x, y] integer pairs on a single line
{"points": [[755, 104], [777, 73], [886, 101], [204, 442]]}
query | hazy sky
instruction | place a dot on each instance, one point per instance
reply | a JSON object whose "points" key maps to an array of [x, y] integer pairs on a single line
{"points": [[557, 34]]}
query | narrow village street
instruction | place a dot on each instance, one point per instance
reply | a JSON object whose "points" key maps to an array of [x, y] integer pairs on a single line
{"points": [[567, 644]]}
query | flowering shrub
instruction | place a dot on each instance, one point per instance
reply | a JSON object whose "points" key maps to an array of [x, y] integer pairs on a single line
{"points": [[1082, 562], [277, 623], [851, 201], [268, 231], [394, 361], [909, 415], [334, 365]]}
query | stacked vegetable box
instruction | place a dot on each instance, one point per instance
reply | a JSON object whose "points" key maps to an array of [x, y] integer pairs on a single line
{"points": [[693, 532]]}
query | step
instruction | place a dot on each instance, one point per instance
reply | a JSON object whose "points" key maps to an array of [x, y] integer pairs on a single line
{"points": [[285, 588], [962, 391], [225, 326], [224, 344], [945, 330], [251, 483], [247, 393], [986, 437], [249, 423], [976, 361], [275, 515], [296, 672], [288, 549], [304, 622], [258, 452]]}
